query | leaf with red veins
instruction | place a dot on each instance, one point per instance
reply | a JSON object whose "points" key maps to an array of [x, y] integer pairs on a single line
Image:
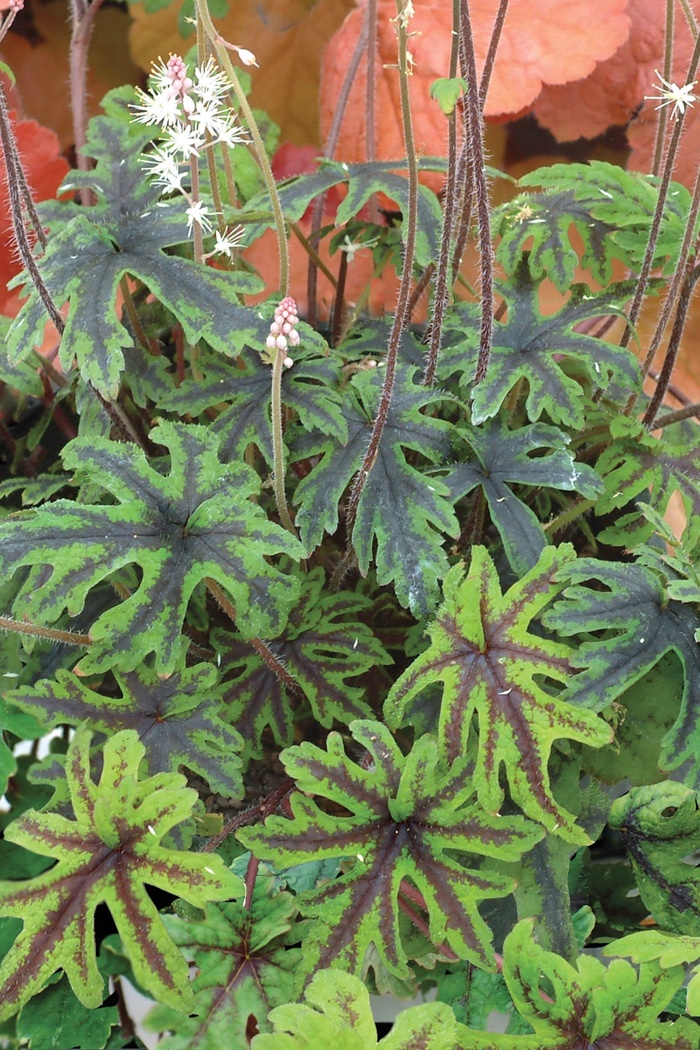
{"points": [[405, 818], [489, 665], [108, 854]]}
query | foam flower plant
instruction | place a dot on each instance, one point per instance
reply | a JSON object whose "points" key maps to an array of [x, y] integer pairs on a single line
{"points": [[192, 114]]}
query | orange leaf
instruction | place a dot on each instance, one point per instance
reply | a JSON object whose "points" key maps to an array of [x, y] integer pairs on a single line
{"points": [[535, 48], [45, 169], [41, 68]]}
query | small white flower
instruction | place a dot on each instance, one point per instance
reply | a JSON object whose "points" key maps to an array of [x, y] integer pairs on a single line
{"points": [[225, 243], [211, 84], [164, 170], [681, 98], [198, 212], [184, 141], [163, 109]]}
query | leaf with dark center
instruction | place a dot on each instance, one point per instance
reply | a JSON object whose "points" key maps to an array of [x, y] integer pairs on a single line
{"points": [[502, 459], [490, 664], [402, 514], [408, 818], [640, 625], [109, 853], [323, 647], [127, 232], [245, 966], [195, 521], [176, 719], [244, 386]]}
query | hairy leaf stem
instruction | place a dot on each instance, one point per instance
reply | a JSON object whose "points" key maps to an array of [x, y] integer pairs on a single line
{"points": [[643, 279], [442, 294], [15, 181], [50, 634], [674, 342], [404, 295], [668, 69], [220, 46], [278, 443], [478, 171], [263, 650], [82, 21]]}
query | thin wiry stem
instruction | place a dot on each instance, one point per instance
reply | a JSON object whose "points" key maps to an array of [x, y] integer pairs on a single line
{"points": [[219, 46], [476, 152], [82, 19], [15, 178], [278, 443], [491, 53], [361, 47], [674, 289], [50, 634], [690, 17], [668, 69], [404, 295], [693, 273], [677, 416], [442, 294], [643, 279]]}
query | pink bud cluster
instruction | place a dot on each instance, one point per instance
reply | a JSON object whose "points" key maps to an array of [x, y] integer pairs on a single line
{"points": [[16, 5], [283, 332], [180, 83]]}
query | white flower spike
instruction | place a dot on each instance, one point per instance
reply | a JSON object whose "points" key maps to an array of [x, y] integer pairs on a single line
{"points": [[681, 98]]}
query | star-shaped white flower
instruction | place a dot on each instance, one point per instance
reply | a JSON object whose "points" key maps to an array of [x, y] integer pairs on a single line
{"points": [[198, 212], [681, 98]]}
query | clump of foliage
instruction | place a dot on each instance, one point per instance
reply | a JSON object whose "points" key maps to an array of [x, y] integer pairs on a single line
{"points": [[369, 658]]}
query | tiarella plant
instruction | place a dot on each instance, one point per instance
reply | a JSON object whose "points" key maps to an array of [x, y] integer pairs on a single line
{"points": [[366, 654]]}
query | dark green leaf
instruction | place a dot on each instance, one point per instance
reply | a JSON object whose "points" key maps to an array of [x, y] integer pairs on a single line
{"points": [[502, 457], [639, 627], [323, 647], [175, 718], [400, 509], [537, 349], [309, 387], [126, 232]]}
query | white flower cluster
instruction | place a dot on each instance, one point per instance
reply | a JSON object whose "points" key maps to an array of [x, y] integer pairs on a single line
{"points": [[193, 114], [283, 330]]}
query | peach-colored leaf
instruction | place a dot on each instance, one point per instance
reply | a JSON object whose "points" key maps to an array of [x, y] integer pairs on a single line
{"points": [[41, 65], [535, 48], [45, 169]]}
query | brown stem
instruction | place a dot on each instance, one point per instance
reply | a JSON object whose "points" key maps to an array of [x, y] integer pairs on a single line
{"points": [[250, 877], [673, 344], [263, 650], [678, 416], [15, 179], [404, 296], [329, 149], [444, 275], [48, 633], [476, 146], [82, 18], [491, 53], [256, 814], [643, 279]]}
